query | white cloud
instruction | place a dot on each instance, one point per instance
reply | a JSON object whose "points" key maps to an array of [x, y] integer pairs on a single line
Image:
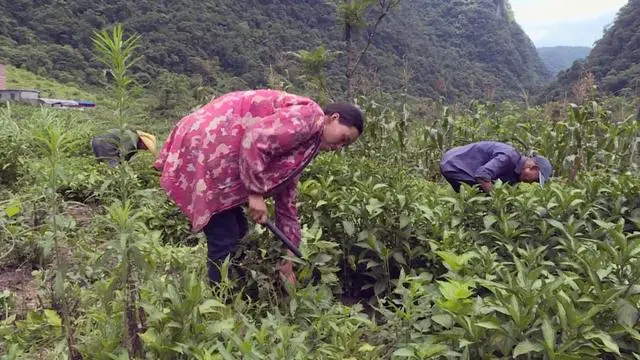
{"points": [[546, 12]]}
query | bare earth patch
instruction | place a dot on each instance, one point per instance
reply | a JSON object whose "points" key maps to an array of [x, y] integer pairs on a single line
{"points": [[82, 213], [23, 286]]}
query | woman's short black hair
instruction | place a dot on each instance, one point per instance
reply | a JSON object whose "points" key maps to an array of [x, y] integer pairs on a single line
{"points": [[350, 115]]}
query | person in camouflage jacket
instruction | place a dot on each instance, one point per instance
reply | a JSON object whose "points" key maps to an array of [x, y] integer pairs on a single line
{"points": [[240, 148]]}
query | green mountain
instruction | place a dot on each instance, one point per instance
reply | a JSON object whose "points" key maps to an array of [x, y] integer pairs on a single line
{"points": [[457, 48], [558, 58], [614, 60]]}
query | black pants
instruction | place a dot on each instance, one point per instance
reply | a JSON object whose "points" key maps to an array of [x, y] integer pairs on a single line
{"points": [[456, 184], [223, 233]]}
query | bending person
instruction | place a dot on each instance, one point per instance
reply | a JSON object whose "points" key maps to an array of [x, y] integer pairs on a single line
{"points": [[482, 163], [240, 148], [106, 147]]}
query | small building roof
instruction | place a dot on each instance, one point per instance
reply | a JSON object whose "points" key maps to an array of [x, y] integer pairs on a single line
{"points": [[59, 101], [14, 90]]}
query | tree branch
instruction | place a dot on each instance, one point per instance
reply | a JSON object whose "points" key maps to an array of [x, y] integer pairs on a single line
{"points": [[385, 7]]}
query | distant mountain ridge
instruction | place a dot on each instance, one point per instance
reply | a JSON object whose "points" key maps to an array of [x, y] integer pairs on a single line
{"points": [[558, 58]]}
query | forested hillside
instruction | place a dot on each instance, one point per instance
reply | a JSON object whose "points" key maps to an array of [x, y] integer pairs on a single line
{"points": [[558, 58], [614, 60], [451, 48]]}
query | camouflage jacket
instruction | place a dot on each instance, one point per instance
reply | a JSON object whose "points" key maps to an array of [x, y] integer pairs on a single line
{"points": [[240, 143]]}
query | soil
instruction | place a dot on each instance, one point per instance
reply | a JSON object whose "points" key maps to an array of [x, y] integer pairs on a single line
{"points": [[21, 283], [83, 214], [23, 286]]}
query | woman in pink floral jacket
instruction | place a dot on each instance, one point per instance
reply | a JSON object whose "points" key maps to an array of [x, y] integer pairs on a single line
{"points": [[240, 148]]}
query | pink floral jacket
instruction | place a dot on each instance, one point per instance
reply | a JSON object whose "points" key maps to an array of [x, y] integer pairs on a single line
{"points": [[240, 143]]}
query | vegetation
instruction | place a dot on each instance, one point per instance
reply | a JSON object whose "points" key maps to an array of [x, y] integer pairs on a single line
{"points": [[558, 58], [22, 79], [456, 49], [613, 62], [409, 269]]}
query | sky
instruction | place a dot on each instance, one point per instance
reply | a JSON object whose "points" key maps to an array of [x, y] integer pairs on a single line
{"points": [[565, 22]]}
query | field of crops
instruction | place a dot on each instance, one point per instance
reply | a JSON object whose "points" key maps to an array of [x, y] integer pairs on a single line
{"points": [[97, 263]]}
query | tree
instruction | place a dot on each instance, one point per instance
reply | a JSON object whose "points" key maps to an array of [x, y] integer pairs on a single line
{"points": [[351, 15]]}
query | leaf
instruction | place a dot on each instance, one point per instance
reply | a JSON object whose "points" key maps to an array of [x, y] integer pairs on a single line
{"points": [[380, 287], [12, 210], [224, 352], [488, 325], [404, 221], [374, 206], [53, 318], [221, 326], [455, 262], [435, 349], [445, 320], [465, 343], [633, 332], [489, 220], [606, 339], [209, 305], [454, 290], [556, 224], [627, 312], [379, 186], [149, 337], [427, 212], [404, 352], [450, 259], [293, 306], [634, 290], [397, 256], [348, 227], [366, 348], [605, 225], [548, 333], [525, 347]]}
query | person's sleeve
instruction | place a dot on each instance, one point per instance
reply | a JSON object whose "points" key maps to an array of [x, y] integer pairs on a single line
{"points": [[495, 167], [271, 137], [287, 212]]}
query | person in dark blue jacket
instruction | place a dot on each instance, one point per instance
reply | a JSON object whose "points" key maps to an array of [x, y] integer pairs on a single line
{"points": [[482, 163]]}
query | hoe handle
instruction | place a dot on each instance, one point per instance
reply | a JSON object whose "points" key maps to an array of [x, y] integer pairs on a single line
{"points": [[274, 229]]}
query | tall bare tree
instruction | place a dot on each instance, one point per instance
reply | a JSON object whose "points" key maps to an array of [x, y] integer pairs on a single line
{"points": [[352, 16]]}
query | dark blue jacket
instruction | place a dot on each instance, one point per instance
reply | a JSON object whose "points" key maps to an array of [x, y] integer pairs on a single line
{"points": [[485, 160]]}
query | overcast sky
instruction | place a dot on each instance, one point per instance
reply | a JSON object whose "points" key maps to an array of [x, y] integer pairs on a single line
{"points": [[565, 22]]}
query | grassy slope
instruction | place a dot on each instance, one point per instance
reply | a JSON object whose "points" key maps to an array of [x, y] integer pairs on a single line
{"points": [[23, 79], [102, 115]]}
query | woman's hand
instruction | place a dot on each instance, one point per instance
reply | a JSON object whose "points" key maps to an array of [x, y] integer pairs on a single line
{"points": [[286, 271], [257, 208]]}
